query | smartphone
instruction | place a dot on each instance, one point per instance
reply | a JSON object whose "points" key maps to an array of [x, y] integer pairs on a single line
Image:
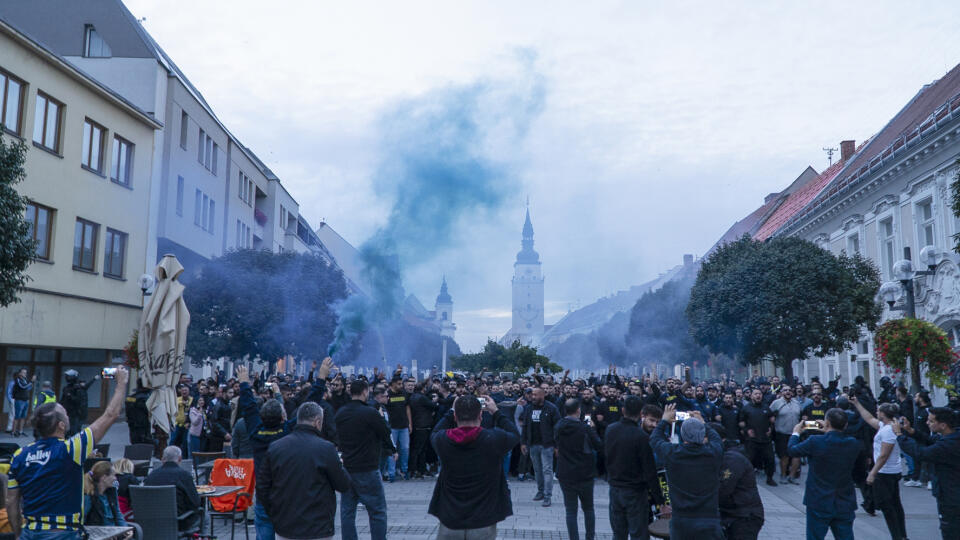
{"points": [[811, 424], [482, 400], [108, 373], [587, 419], [681, 416]]}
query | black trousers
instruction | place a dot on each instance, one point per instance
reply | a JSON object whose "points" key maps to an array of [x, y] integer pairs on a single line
{"points": [[418, 451], [764, 452], [583, 493], [886, 495], [747, 528], [949, 521], [628, 513]]}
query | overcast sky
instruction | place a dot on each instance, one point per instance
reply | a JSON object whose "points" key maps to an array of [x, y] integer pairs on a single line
{"points": [[664, 122]]}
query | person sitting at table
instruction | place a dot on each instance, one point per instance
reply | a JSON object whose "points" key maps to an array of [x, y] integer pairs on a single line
{"points": [[100, 498], [171, 474], [125, 478]]}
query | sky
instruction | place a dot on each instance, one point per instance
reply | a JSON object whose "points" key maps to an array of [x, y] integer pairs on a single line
{"points": [[663, 123]]}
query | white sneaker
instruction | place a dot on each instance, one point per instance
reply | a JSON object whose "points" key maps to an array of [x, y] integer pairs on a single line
{"points": [[912, 483]]}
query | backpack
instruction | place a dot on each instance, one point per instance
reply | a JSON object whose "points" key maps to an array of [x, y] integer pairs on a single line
{"points": [[232, 472]]}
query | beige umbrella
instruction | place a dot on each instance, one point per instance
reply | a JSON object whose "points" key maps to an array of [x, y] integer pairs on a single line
{"points": [[162, 341]]}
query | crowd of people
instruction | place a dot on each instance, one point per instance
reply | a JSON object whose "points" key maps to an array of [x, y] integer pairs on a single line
{"points": [[682, 452]]}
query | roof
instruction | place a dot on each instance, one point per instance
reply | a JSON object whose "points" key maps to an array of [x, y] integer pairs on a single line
{"points": [[93, 84], [749, 224], [918, 118], [797, 201]]}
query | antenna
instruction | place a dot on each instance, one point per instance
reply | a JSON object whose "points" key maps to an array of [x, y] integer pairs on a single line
{"points": [[830, 152]]}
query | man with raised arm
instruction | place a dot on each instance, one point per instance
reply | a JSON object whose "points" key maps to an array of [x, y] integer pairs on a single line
{"points": [[45, 483]]}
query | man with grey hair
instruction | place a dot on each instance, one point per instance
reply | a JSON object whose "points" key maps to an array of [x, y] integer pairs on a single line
{"points": [[297, 477], [171, 474]]}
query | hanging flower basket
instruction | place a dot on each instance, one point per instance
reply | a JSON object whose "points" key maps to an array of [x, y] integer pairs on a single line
{"points": [[924, 342], [131, 352]]}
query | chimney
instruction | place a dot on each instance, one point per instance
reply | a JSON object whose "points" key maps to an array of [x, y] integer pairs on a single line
{"points": [[770, 197], [687, 260], [847, 148]]}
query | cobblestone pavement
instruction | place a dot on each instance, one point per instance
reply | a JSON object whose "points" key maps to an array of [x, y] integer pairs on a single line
{"points": [[407, 516]]}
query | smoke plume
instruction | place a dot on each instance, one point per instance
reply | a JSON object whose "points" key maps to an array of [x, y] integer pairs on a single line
{"points": [[445, 157]]}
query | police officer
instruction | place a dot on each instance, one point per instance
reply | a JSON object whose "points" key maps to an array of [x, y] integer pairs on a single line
{"points": [[46, 395], [74, 399], [138, 416]]}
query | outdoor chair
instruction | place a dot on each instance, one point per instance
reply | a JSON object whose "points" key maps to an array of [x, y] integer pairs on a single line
{"points": [[155, 510], [7, 450], [142, 453], [102, 449], [241, 475], [200, 467], [187, 465]]}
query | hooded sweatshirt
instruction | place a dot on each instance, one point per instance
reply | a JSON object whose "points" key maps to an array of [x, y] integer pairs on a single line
{"points": [[577, 443], [471, 491]]}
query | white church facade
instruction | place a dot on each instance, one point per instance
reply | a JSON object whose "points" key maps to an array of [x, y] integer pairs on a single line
{"points": [[527, 324]]}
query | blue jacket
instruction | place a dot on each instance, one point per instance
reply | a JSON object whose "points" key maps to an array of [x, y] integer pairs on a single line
{"points": [[833, 457], [943, 452]]}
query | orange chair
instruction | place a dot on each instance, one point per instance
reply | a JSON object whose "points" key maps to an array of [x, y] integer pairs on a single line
{"points": [[232, 472]]}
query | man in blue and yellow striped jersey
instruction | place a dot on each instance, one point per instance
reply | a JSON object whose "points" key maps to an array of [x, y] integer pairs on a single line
{"points": [[46, 477]]}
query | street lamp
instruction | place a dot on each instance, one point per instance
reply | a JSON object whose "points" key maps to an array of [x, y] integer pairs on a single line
{"points": [[904, 275]]}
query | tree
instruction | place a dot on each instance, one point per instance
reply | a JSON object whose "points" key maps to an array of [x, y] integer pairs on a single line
{"points": [[16, 243], [495, 357], [782, 300], [659, 330], [261, 303]]}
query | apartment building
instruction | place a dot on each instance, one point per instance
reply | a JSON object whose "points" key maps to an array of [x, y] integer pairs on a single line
{"points": [[88, 181]]}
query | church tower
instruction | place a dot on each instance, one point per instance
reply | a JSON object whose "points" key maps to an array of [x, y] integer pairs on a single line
{"points": [[444, 312], [527, 291]]}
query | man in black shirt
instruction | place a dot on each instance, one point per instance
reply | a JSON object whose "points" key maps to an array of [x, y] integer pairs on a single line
{"points": [[730, 417], [756, 420], [539, 418], [741, 509], [631, 473], [362, 433], [577, 444], [816, 410], [422, 409], [401, 424]]}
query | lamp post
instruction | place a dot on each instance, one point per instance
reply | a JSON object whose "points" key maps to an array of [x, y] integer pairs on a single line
{"points": [[905, 275]]}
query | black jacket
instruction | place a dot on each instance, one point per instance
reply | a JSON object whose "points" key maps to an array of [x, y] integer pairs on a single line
{"points": [[739, 497], [422, 409], [629, 459], [170, 474], [549, 415], [218, 419], [296, 482], [730, 419], [576, 442], [693, 472], [96, 513], [362, 433], [471, 491], [757, 418], [943, 453]]}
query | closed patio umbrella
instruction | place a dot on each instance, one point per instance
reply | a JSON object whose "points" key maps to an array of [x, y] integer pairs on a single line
{"points": [[162, 341]]}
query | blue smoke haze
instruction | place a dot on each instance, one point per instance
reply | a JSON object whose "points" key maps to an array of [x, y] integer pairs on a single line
{"points": [[445, 159]]}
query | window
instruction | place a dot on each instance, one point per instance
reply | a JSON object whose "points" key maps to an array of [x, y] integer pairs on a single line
{"points": [[245, 189], [46, 122], [84, 244], [211, 214], [92, 157], [214, 159], [179, 195], [197, 204], [205, 209], [925, 223], [122, 167], [283, 218], [40, 219], [208, 152], [184, 125], [11, 94], [244, 239], [888, 245], [115, 253], [853, 244], [200, 146], [93, 45]]}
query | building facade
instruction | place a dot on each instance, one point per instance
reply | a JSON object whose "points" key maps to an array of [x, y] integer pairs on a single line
{"points": [[527, 324], [88, 181]]}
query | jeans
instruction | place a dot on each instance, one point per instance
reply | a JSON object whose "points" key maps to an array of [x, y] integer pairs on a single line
{"points": [[262, 523], [366, 488], [910, 464], [49, 535], [401, 439], [196, 444], [949, 521], [179, 439], [840, 523], [484, 533], [886, 494], [584, 493], [20, 408], [542, 459], [506, 464], [385, 461], [629, 510]]}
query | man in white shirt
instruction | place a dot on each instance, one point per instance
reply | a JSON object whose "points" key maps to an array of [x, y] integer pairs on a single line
{"points": [[885, 474], [788, 412]]}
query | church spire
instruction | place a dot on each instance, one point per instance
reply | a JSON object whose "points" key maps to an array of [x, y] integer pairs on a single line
{"points": [[444, 296], [527, 255]]}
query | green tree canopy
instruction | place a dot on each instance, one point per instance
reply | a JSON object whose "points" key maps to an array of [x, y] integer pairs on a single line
{"points": [[782, 300], [263, 303], [495, 357], [16, 244]]}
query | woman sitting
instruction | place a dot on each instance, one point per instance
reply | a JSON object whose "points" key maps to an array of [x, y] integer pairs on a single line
{"points": [[100, 497], [125, 479]]}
